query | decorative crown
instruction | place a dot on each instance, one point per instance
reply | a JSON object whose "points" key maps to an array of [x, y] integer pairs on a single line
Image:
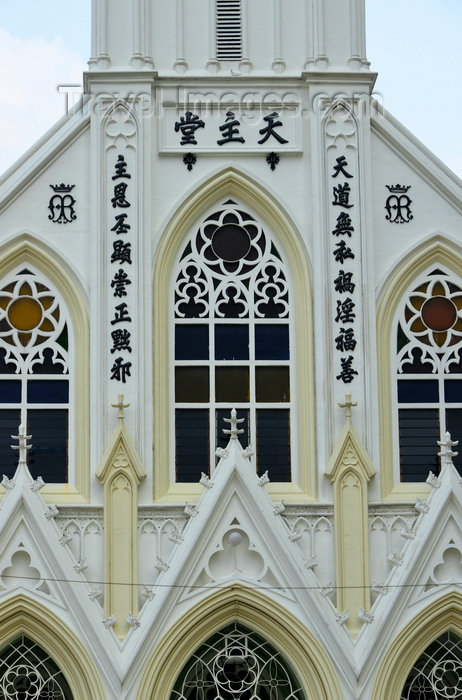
{"points": [[62, 187], [397, 188]]}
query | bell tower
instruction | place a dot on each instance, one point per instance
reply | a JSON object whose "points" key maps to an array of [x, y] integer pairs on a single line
{"points": [[233, 37]]}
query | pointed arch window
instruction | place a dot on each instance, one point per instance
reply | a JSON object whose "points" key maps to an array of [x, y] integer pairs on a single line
{"points": [[237, 664], [429, 371], [27, 672], [232, 344], [34, 374], [437, 674]]}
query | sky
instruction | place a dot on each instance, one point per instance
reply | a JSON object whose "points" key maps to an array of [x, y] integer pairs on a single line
{"points": [[414, 45]]}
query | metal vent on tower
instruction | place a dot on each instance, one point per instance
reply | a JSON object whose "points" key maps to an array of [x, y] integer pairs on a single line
{"points": [[229, 30]]}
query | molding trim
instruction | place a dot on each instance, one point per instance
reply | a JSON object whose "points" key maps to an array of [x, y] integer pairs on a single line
{"points": [[296, 643], [23, 615], [440, 616], [25, 249], [232, 183]]}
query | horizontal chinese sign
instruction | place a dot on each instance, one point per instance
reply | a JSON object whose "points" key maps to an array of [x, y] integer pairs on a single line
{"points": [[215, 131]]}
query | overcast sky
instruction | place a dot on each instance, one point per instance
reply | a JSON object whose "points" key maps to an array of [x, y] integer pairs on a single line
{"points": [[414, 45]]}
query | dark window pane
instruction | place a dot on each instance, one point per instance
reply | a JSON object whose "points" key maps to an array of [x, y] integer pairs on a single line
{"points": [[48, 456], [273, 444], [191, 342], [221, 438], [48, 366], [418, 391], [454, 426], [453, 391], [48, 391], [416, 366], [272, 384], [9, 425], [272, 342], [6, 367], [231, 342], [192, 444], [232, 384], [192, 384], [418, 437], [10, 390]]}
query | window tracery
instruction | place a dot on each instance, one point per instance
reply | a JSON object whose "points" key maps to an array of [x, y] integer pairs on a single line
{"points": [[27, 672], [236, 664], [429, 371], [437, 674], [232, 344], [34, 374]]}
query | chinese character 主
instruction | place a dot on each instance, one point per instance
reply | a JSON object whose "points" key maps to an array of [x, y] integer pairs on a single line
{"points": [[228, 130], [121, 169], [188, 126], [269, 130]]}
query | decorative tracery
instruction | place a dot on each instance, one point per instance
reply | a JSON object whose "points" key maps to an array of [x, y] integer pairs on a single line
{"points": [[27, 672], [232, 345], [236, 664], [429, 368], [437, 674]]}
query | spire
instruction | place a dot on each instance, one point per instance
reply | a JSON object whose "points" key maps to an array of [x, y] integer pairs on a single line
{"points": [[23, 446]]}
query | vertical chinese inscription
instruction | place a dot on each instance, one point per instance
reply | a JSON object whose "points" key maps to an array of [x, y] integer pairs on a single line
{"points": [[345, 342], [121, 254]]}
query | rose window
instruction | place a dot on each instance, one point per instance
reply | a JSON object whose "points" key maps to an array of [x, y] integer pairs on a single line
{"points": [[28, 673], [429, 370], [236, 664], [437, 674], [231, 344], [34, 374]]}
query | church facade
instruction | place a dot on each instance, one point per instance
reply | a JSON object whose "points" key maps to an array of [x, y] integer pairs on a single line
{"points": [[230, 373]]}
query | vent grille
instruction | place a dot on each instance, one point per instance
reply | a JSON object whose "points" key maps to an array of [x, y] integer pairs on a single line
{"points": [[229, 30]]}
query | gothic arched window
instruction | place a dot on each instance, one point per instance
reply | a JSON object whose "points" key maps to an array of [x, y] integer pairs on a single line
{"points": [[34, 374], [27, 672], [232, 344], [437, 674], [236, 664], [429, 371]]}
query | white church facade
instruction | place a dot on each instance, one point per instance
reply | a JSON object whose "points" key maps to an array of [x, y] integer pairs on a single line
{"points": [[230, 373]]}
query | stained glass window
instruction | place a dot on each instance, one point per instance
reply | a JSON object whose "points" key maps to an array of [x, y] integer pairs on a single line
{"points": [[27, 672], [231, 344], [236, 664], [429, 372], [437, 674], [34, 375]]}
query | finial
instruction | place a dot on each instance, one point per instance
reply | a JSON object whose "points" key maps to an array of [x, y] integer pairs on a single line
{"points": [[446, 453], [23, 446], [348, 404], [234, 432], [120, 405]]}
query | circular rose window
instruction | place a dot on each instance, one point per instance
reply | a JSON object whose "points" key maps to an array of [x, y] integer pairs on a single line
{"points": [[439, 314]]}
